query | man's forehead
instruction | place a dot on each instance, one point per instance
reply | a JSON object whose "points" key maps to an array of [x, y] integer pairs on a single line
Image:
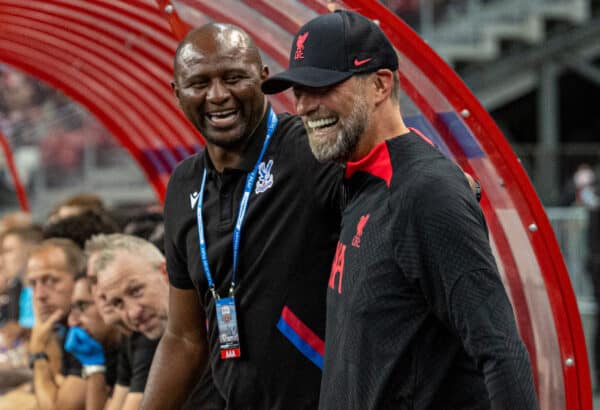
{"points": [[48, 259], [10, 239], [120, 271], [212, 47], [192, 57], [115, 287]]}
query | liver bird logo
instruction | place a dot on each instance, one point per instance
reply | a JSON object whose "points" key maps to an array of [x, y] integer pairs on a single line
{"points": [[360, 227], [300, 46], [361, 224]]}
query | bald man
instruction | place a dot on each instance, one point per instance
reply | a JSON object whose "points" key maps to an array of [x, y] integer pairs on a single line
{"points": [[251, 226]]}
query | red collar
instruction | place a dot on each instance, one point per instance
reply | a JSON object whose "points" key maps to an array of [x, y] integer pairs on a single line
{"points": [[377, 163]]}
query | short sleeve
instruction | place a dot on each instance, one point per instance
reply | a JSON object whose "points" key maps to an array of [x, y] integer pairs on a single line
{"points": [[124, 365], [70, 366], [176, 262], [143, 353]]}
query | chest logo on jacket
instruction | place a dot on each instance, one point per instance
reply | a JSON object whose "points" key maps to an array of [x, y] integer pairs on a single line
{"points": [[360, 227], [194, 199], [265, 178]]}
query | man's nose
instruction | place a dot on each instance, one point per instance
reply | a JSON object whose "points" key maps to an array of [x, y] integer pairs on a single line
{"points": [[217, 92], [305, 103], [40, 292], [74, 319], [134, 313]]}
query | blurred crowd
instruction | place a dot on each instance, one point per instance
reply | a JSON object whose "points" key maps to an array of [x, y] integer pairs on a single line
{"points": [[44, 129], [83, 304]]}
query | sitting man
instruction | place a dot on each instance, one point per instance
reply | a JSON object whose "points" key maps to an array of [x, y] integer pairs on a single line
{"points": [[51, 270], [15, 244], [94, 343], [136, 351], [132, 281]]}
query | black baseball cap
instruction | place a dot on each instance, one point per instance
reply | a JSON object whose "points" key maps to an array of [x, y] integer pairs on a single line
{"points": [[331, 48]]}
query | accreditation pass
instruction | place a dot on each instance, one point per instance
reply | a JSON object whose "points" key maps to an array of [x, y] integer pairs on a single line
{"points": [[229, 339]]}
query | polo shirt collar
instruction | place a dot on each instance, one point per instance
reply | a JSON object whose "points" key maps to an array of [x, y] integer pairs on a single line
{"points": [[252, 151], [377, 163]]}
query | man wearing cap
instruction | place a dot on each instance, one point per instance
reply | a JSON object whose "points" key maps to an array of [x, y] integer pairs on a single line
{"points": [[417, 316], [251, 226]]}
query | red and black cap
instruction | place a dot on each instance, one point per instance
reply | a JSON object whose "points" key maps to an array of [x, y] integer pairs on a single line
{"points": [[331, 48]]}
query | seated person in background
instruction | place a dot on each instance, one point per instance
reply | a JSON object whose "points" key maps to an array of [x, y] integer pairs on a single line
{"points": [[132, 278], [94, 343], [51, 270], [82, 226], [15, 244], [75, 205], [136, 351], [15, 220], [147, 224]]}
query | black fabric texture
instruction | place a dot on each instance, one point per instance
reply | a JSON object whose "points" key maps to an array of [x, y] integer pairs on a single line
{"points": [[70, 366], [140, 352], [124, 365], [134, 360], [112, 363], [417, 316]]}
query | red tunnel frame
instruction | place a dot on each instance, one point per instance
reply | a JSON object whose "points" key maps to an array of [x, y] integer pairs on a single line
{"points": [[138, 40], [14, 173]]}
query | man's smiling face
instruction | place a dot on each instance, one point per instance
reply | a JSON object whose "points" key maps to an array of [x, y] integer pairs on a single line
{"points": [[217, 83]]}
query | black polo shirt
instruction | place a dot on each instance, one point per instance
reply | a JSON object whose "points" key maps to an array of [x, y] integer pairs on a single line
{"points": [[417, 316], [69, 365], [288, 241], [134, 361], [135, 358]]}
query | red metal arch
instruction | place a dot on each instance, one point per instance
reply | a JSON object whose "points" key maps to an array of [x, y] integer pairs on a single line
{"points": [[20, 190], [114, 58]]}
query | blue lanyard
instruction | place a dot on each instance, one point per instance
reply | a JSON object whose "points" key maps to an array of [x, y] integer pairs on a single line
{"points": [[237, 232]]}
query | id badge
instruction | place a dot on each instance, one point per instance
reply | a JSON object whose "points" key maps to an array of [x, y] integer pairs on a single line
{"points": [[229, 338]]}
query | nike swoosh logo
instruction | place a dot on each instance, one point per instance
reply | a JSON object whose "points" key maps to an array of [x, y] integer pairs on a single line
{"points": [[358, 63]]}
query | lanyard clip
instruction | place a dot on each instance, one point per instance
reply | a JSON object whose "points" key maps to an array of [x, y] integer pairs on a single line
{"points": [[231, 289], [214, 293]]}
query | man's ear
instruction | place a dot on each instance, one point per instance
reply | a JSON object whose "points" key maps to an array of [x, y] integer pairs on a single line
{"points": [[163, 270], [264, 73], [384, 82], [175, 90]]}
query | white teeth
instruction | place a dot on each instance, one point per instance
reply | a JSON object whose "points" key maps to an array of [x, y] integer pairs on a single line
{"points": [[323, 122], [222, 114]]}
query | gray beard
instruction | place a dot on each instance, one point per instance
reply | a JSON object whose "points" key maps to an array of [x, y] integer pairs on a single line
{"points": [[352, 127]]}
